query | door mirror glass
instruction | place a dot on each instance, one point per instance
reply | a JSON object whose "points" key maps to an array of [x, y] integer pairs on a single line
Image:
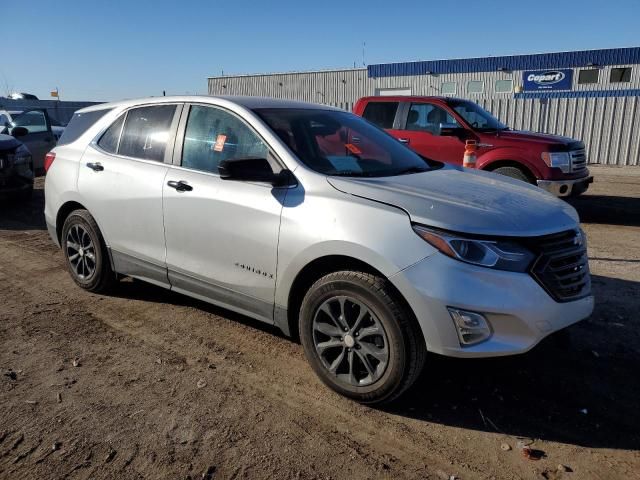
{"points": [[251, 170]]}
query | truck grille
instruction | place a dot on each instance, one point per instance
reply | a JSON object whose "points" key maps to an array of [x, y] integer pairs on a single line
{"points": [[578, 160], [562, 268]]}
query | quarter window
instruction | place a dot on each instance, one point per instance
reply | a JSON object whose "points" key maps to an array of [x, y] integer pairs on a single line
{"points": [[213, 135], [588, 76], [425, 117], [146, 132], [109, 140], [619, 75], [79, 124], [381, 114], [504, 86], [448, 88], [475, 86]]}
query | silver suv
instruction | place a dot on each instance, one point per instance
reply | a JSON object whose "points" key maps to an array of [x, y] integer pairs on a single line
{"points": [[314, 220]]}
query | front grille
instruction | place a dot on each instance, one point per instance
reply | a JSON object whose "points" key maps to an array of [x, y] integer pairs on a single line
{"points": [[578, 160], [562, 268]]}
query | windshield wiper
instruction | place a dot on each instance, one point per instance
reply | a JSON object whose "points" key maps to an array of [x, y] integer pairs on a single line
{"points": [[347, 173]]}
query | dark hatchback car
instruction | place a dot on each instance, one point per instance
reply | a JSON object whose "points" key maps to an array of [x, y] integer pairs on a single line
{"points": [[16, 168]]}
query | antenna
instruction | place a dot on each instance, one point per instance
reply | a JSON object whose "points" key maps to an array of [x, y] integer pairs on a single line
{"points": [[364, 45]]}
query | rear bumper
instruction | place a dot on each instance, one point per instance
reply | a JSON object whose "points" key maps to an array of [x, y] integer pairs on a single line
{"points": [[562, 188]]}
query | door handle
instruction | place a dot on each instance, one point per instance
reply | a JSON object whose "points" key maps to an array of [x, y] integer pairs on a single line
{"points": [[180, 186], [95, 166], [403, 140]]}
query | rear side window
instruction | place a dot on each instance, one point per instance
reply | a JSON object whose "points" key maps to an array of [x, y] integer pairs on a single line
{"points": [[381, 114], [146, 132], [80, 123], [109, 140]]}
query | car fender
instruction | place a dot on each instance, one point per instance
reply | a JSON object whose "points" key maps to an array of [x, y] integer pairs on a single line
{"points": [[486, 160]]}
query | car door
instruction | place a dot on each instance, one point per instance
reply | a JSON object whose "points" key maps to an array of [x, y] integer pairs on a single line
{"points": [[40, 139], [120, 181], [421, 130], [221, 235]]}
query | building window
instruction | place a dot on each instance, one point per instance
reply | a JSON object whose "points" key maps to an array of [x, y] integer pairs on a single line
{"points": [[504, 86], [475, 86], [588, 76], [448, 88], [620, 74]]}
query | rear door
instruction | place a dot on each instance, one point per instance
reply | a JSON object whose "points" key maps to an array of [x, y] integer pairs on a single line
{"points": [[40, 139], [120, 180], [421, 127]]}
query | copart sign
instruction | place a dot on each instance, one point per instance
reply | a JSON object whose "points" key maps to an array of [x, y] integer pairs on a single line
{"points": [[547, 79]]}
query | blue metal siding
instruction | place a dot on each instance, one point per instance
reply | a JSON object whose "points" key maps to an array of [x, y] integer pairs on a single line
{"points": [[580, 94], [541, 61]]}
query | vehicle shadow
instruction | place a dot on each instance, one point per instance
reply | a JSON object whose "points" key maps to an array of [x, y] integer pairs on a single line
{"points": [[17, 214], [605, 209], [578, 386]]}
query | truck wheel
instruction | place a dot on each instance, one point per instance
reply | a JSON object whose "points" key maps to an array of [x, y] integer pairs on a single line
{"points": [[579, 189], [359, 338], [85, 252], [513, 172]]}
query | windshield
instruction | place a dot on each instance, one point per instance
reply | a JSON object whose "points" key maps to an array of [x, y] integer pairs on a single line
{"points": [[476, 116], [340, 143]]}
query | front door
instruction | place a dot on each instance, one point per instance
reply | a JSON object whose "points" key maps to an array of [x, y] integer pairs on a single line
{"points": [[221, 235], [422, 133], [40, 139]]}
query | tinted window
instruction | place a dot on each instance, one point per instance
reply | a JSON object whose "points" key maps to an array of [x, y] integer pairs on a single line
{"points": [[340, 143], [80, 123], [213, 135], [475, 86], [34, 121], [381, 114], [622, 74], [588, 76], [109, 140], [146, 132], [425, 117]]}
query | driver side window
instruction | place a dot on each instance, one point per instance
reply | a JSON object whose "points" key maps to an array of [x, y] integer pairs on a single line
{"points": [[426, 117]]}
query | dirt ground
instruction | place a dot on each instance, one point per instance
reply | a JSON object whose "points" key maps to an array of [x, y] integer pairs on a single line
{"points": [[150, 384]]}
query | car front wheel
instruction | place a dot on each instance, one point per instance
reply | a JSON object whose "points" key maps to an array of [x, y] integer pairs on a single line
{"points": [[360, 338]]}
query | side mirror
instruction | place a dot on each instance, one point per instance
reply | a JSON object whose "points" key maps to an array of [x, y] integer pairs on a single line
{"points": [[19, 132], [450, 129], [252, 170]]}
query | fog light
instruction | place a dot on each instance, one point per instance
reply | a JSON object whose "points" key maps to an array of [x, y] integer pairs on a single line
{"points": [[472, 327]]}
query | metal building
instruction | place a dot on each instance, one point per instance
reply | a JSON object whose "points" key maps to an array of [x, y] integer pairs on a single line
{"points": [[592, 95]]}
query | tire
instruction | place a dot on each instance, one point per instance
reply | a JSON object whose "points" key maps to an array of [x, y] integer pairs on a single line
{"points": [[387, 337], [513, 172], [85, 253], [579, 189]]}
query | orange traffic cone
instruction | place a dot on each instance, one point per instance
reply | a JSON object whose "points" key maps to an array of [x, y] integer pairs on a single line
{"points": [[469, 160]]}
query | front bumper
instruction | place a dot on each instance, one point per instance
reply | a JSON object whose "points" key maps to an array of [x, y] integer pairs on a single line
{"points": [[562, 188], [519, 311]]}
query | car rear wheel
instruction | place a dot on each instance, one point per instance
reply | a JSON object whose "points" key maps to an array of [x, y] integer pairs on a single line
{"points": [[513, 172], [360, 339], [85, 252]]}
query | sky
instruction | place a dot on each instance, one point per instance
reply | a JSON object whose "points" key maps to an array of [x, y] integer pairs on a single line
{"points": [[112, 49]]}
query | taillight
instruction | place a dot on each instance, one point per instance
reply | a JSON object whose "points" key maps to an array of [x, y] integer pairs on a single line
{"points": [[48, 160]]}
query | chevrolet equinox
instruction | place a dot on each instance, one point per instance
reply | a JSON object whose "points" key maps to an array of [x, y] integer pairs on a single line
{"points": [[315, 220]]}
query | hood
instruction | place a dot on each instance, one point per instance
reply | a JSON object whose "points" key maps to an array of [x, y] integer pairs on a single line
{"points": [[541, 138], [7, 142], [466, 201]]}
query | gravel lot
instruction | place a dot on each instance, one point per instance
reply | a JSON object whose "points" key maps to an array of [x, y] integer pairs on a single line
{"points": [[150, 384]]}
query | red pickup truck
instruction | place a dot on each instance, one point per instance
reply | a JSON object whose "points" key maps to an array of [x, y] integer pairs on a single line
{"points": [[437, 128]]}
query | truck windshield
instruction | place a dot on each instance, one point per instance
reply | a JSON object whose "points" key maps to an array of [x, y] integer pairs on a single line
{"points": [[476, 116], [339, 143]]}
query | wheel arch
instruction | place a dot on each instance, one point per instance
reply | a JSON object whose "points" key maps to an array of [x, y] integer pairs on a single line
{"points": [[525, 168], [312, 272], [63, 212]]}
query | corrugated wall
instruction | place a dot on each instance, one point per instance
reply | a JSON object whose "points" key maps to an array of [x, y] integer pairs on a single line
{"points": [[609, 126]]}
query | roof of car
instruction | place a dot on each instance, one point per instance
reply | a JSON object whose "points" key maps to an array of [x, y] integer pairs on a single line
{"points": [[407, 98], [245, 101]]}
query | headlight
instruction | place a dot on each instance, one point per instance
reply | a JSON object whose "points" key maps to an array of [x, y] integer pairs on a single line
{"points": [[559, 160], [498, 254]]}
